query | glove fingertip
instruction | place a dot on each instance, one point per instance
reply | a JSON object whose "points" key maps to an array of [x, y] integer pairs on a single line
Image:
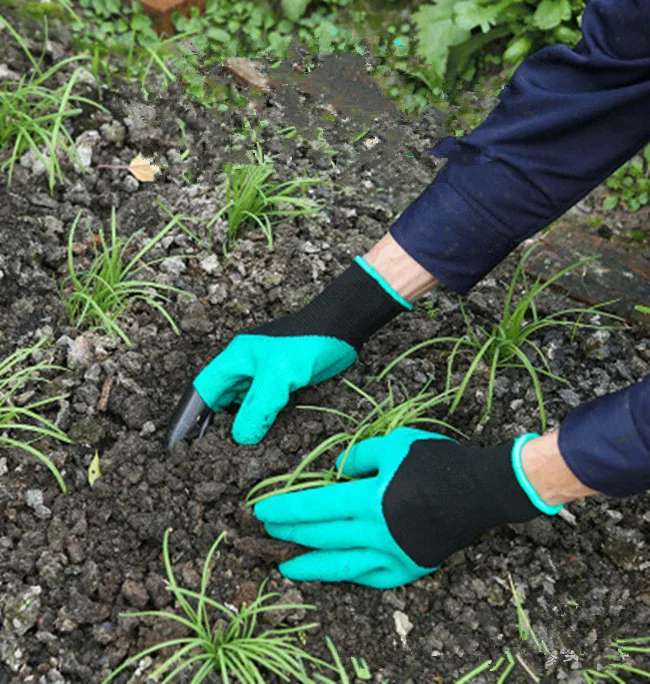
{"points": [[247, 436]]}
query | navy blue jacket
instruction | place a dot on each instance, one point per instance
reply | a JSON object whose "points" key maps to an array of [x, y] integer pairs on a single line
{"points": [[567, 119]]}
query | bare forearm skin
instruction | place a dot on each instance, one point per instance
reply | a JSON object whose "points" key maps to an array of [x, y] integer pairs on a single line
{"points": [[541, 458]]}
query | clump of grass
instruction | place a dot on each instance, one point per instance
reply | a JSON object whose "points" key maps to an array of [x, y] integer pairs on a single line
{"points": [[611, 671], [232, 646], [384, 417], [32, 114], [99, 295], [507, 343], [250, 195], [24, 418]]}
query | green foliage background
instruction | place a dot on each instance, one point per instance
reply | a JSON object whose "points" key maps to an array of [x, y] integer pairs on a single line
{"points": [[423, 52]]}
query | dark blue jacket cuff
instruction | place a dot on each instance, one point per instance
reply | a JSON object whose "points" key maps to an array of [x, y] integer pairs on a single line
{"points": [[606, 442]]}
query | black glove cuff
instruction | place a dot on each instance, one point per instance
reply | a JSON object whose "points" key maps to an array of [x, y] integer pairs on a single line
{"points": [[445, 495], [351, 308]]}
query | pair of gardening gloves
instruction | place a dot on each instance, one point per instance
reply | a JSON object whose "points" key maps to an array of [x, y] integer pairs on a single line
{"points": [[419, 495]]}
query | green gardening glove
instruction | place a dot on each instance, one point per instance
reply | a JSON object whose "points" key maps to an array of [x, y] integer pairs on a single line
{"points": [[420, 497], [260, 368]]}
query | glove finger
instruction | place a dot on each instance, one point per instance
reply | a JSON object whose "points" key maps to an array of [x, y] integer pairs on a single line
{"points": [[331, 566], [363, 458], [341, 501], [219, 383], [266, 397], [381, 579], [340, 534]]}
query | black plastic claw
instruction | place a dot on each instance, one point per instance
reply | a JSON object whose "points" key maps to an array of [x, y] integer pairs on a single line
{"points": [[191, 419]]}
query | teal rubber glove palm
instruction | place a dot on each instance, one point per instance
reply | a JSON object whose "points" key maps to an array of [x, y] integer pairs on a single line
{"points": [[261, 367], [420, 497]]}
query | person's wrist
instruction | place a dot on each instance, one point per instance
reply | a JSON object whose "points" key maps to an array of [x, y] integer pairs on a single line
{"points": [[399, 269], [548, 473]]}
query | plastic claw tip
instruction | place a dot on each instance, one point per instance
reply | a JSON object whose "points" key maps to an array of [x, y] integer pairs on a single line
{"points": [[191, 419]]}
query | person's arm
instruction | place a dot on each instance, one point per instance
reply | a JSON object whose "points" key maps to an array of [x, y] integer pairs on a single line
{"points": [[566, 121]]}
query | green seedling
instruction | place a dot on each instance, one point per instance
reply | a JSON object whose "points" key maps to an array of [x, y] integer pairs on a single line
{"points": [[33, 115], [361, 669], [251, 196], [642, 309], [99, 295], [289, 132], [361, 134], [231, 646], [18, 417], [384, 417], [506, 344]]}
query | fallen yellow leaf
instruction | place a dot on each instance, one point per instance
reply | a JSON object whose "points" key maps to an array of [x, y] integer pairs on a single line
{"points": [[143, 169], [94, 472]]}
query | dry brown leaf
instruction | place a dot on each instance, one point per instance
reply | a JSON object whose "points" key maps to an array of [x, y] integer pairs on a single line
{"points": [[248, 71], [143, 169]]}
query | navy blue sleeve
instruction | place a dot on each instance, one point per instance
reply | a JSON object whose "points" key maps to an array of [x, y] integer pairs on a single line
{"points": [[606, 442], [565, 122]]}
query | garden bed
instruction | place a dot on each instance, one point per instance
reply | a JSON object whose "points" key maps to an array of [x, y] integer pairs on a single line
{"points": [[70, 565]]}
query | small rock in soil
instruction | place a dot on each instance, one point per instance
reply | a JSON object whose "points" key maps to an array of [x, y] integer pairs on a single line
{"points": [[21, 610]]}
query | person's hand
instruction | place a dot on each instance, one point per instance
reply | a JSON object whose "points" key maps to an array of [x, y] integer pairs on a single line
{"points": [[420, 497], [261, 367]]}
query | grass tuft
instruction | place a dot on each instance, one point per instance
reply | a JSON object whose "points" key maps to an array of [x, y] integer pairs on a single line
{"points": [[18, 417], [508, 343], [231, 646], [33, 115], [99, 295], [251, 196], [384, 417]]}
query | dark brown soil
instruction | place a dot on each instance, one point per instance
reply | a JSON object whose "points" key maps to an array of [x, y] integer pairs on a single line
{"points": [[71, 566]]}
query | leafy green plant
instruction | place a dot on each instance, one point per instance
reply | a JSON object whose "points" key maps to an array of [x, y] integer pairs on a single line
{"points": [[231, 646], [611, 671], [99, 295], [631, 183], [642, 309], [32, 114], [251, 196], [506, 343], [19, 417], [451, 33], [384, 417]]}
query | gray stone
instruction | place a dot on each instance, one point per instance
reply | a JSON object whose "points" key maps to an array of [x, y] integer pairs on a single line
{"points": [[21, 610], [211, 265], [135, 593], [113, 132], [80, 353], [34, 497], [173, 267], [40, 199]]}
